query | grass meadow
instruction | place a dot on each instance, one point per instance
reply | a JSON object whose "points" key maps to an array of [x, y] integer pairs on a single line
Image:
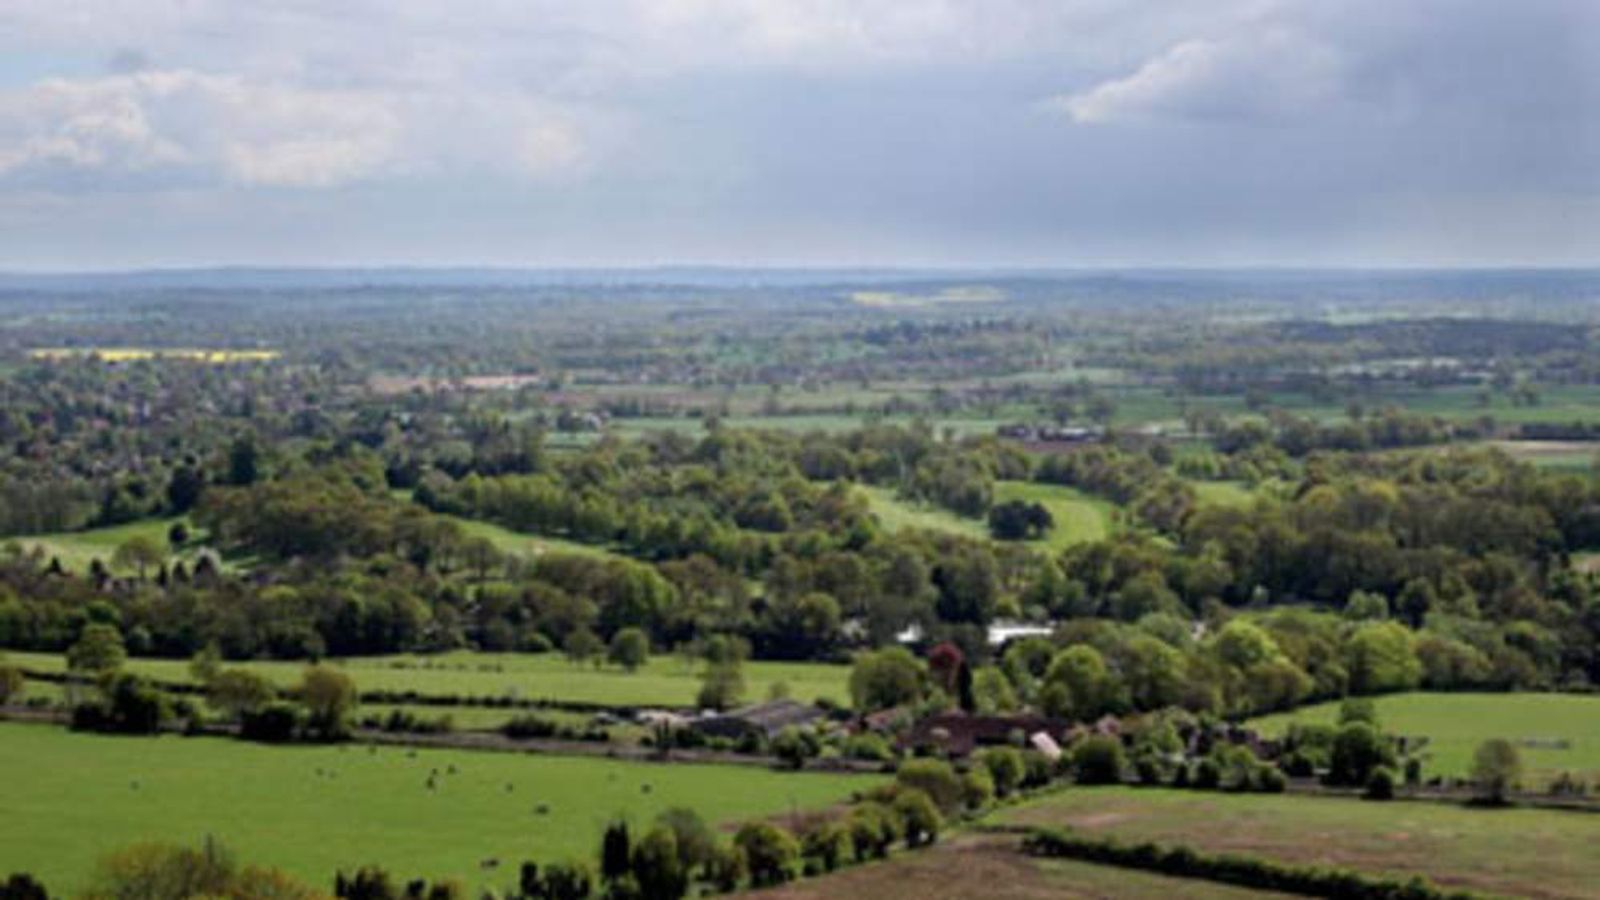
{"points": [[1556, 732], [1515, 852], [663, 681], [1078, 517], [69, 798]]}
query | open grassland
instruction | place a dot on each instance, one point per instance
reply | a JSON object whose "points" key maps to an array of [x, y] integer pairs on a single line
{"points": [[134, 354], [1555, 732], [78, 549], [993, 867], [1516, 852], [663, 681], [898, 514], [313, 810], [527, 546], [1078, 517], [1224, 493]]}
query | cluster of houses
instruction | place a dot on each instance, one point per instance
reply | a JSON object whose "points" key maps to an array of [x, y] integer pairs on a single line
{"points": [[1050, 434], [952, 734]]}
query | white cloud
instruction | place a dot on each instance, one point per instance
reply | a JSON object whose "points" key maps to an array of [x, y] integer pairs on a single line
{"points": [[1264, 75], [192, 125]]}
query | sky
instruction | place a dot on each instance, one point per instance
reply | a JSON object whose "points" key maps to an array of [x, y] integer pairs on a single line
{"points": [[1061, 133]]}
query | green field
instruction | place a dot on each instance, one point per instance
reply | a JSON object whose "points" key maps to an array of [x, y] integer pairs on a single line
{"points": [[897, 514], [1078, 517], [77, 549], [1455, 724], [84, 795], [1223, 493], [663, 681], [529, 546], [1517, 852]]}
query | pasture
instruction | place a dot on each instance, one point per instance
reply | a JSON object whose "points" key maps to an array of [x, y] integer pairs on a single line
{"points": [[1518, 852], [313, 810], [1554, 732], [663, 681], [993, 867], [78, 549], [1078, 517]]}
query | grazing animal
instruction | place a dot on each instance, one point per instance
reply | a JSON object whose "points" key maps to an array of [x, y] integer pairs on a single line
{"points": [[490, 863]]}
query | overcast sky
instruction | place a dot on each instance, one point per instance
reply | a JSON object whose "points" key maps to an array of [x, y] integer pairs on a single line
{"points": [[813, 132]]}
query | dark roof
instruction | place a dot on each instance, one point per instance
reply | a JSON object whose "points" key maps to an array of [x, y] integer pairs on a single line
{"points": [[959, 734], [770, 717]]}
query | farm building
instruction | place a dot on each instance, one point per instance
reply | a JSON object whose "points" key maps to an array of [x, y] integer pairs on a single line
{"points": [[765, 719], [959, 734]]}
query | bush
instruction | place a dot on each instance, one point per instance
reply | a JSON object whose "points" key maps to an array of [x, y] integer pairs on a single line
{"points": [[1358, 748], [771, 854], [919, 817], [1099, 760], [868, 746], [874, 828], [275, 723], [529, 727], [568, 881], [1296, 764], [1269, 780], [22, 886], [1150, 770], [935, 779], [977, 788], [1039, 769], [795, 745], [827, 842], [1380, 784], [1006, 767], [1207, 775], [1496, 766]]}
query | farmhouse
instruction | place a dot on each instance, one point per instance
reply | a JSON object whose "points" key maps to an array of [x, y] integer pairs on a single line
{"points": [[765, 719], [959, 734]]}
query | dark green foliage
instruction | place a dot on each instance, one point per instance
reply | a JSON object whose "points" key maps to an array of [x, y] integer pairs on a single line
{"points": [[1099, 759], [771, 854], [22, 886]]}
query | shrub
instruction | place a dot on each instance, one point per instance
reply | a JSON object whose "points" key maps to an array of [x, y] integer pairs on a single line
{"points": [[275, 723], [977, 788], [919, 817], [1380, 784], [1358, 748], [1296, 764], [868, 746], [656, 868], [1099, 760], [874, 828], [1269, 780], [828, 842], [22, 886], [726, 868], [1006, 767], [1496, 766], [795, 745], [1207, 775], [771, 853], [1039, 769], [935, 779], [525, 727]]}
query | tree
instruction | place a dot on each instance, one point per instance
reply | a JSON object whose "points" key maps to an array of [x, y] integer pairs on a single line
{"points": [[1078, 684], [243, 462], [329, 697], [1006, 767], [919, 817], [581, 645], [1099, 759], [697, 843], [238, 693], [616, 859], [139, 552], [794, 746], [1496, 768], [98, 650], [656, 867], [155, 870], [771, 853], [1380, 657], [884, 679], [184, 488], [722, 684], [1358, 749], [12, 684], [630, 649], [22, 886], [935, 779], [1019, 520]]}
